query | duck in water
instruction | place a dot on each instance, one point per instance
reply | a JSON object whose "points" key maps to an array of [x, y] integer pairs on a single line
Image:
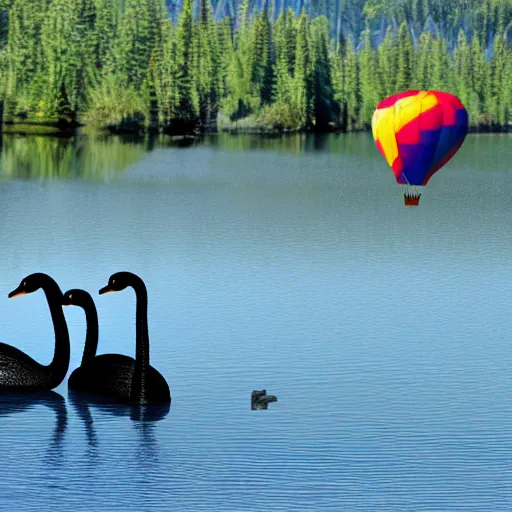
{"points": [[117, 376], [18, 371], [260, 399]]}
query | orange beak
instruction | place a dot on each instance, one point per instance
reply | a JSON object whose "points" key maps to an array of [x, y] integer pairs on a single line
{"points": [[17, 293]]}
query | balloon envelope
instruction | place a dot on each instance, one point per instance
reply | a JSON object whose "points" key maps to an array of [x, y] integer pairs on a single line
{"points": [[418, 132]]}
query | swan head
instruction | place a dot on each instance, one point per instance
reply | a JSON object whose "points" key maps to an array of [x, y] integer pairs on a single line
{"points": [[76, 297], [32, 283], [119, 281]]}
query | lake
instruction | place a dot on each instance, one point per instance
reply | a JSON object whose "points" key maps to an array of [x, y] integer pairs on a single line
{"points": [[289, 264]]}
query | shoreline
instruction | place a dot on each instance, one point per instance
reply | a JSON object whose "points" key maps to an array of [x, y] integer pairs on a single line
{"points": [[52, 129]]}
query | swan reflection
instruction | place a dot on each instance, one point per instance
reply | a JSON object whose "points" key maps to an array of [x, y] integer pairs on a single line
{"points": [[143, 417], [17, 402]]}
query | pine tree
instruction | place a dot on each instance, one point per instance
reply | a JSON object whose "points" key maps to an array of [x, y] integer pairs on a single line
{"points": [[136, 38], [387, 65], [346, 85], [208, 59], [164, 74], [439, 69], [87, 69], [404, 75], [507, 88], [284, 62], [480, 79], [422, 57], [186, 55], [501, 82], [261, 58], [60, 44], [106, 24], [351, 85], [462, 71], [225, 37], [289, 39], [324, 106], [497, 65], [302, 86], [369, 85], [240, 101], [24, 58], [338, 83]]}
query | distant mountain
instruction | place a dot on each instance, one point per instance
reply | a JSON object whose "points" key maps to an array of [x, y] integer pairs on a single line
{"points": [[348, 18]]}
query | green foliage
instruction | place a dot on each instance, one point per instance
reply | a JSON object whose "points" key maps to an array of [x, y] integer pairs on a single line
{"points": [[186, 58], [303, 99], [261, 58], [208, 62], [164, 74], [284, 54], [112, 102], [124, 64], [323, 94], [62, 61], [136, 36], [405, 57], [369, 82], [387, 65]]}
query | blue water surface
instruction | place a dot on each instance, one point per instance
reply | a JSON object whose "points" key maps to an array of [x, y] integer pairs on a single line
{"points": [[288, 264]]}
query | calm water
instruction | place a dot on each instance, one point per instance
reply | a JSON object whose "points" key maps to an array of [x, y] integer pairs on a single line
{"points": [[286, 264]]}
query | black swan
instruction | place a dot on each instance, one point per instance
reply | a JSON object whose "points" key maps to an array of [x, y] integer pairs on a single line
{"points": [[18, 371], [83, 299], [117, 376]]}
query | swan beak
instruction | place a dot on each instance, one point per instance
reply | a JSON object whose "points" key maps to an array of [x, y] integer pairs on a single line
{"points": [[105, 289], [17, 293]]}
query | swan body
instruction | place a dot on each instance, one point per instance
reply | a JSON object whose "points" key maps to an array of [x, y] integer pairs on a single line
{"points": [[119, 377], [112, 375], [18, 371]]}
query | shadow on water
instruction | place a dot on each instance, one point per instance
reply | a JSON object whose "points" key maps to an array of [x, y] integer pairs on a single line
{"points": [[86, 156], [350, 143], [143, 416], [14, 403], [100, 156], [82, 156], [167, 141]]}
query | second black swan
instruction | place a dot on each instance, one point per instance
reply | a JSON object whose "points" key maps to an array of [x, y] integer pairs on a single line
{"points": [[18, 371], [118, 376]]}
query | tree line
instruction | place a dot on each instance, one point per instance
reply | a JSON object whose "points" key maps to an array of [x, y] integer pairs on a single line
{"points": [[126, 65]]}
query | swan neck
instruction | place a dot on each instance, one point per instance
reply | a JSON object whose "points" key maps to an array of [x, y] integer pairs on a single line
{"points": [[142, 344], [92, 332], [60, 363]]}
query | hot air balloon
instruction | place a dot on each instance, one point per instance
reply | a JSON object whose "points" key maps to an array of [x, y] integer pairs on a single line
{"points": [[418, 132]]}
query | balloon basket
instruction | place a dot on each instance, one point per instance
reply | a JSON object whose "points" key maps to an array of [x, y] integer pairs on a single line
{"points": [[411, 200], [412, 194]]}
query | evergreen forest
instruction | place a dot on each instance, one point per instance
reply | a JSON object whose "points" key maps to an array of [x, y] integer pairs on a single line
{"points": [[131, 65]]}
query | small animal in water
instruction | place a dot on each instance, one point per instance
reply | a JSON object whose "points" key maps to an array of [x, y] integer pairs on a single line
{"points": [[260, 399], [18, 371], [117, 376]]}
